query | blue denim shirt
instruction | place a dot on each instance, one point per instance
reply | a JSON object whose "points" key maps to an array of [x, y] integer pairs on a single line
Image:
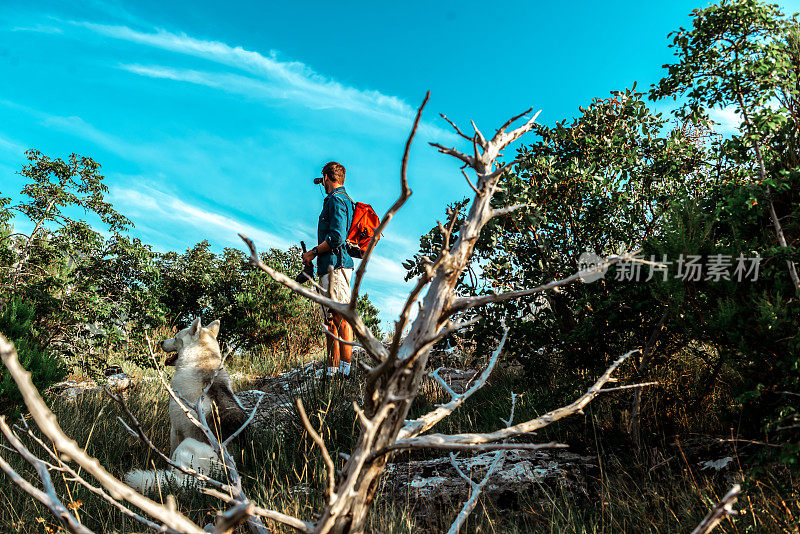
{"points": [[334, 223]]}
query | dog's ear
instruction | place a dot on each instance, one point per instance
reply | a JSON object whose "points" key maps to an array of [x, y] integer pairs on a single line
{"points": [[194, 330], [214, 328]]}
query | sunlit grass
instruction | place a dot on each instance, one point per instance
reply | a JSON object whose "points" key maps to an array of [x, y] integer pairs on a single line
{"points": [[282, 470]]}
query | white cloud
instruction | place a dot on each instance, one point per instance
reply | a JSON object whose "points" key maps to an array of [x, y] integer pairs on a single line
{"points": [[9, 145], [391, 305], [288, 74], [727, 119], [80, 128], [231, 83], [405, 243], [168, 210], [383, 269], [274, 79], [38, 28]]}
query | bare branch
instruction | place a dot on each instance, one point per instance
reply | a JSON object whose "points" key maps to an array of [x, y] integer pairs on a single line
{"points": [[476, 489], [400, 324], [513, 119], [471, 185], [302, 526], [64, 467], [451, 123], [508, 209], [227, 520], [451, 224], [481, 140], [47, 422], [427, 421], [421, 443], [137, 431], [464, 303], [371, 344], [631, 386], [327, 331], [444, 440], [300, 289], [502, 139], [47, 497], [247, 422], [469, 160], [405, 192], [323, 449], [721, 510]]}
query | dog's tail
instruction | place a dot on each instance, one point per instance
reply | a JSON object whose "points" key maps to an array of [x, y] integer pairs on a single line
{"points": [[147, 481]]}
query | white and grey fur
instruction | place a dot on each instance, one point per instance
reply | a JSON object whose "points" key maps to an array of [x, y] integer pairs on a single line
{"points": [[198, 358]]}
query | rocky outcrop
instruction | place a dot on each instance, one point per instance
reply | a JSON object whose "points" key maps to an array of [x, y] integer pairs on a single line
{"points": [[429, 486]]}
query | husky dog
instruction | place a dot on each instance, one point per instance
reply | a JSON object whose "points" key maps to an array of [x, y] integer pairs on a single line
{"points": [[190, 453], [196, 360]]}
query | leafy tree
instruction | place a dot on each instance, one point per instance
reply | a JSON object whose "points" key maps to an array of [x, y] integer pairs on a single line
{"points": [[255, 313], [744, 53], [85, 289], [369, 314]]}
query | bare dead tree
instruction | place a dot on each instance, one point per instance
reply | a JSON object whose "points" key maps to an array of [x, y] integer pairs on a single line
{"points": [[392, 384]]}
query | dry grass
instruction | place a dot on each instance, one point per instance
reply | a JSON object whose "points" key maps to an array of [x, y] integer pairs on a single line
{"points": [[282, 470]]}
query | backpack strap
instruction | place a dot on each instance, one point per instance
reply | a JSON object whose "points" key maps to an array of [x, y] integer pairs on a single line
{"points": [[345, 194], [352, 215]]}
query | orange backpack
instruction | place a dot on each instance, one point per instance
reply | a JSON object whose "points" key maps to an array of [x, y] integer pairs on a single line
{"points": [[365, 221]]}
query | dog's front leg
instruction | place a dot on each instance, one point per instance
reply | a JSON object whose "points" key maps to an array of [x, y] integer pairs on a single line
{"points": [[174, 439]]}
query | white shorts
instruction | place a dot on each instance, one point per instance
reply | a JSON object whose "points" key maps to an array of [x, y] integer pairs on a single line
{"points": [[339, 288]]}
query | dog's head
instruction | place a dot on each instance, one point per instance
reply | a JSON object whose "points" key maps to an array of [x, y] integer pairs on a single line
{"points": [[189, 336]]}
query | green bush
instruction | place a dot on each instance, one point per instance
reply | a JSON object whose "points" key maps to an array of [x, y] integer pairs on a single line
{"points": [[17, 325]]}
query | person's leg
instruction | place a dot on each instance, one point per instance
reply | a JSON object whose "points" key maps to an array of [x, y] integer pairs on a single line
{"points": [[345, 350], [332, 344]]}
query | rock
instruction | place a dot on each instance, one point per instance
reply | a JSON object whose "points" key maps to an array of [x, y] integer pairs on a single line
{"points": [[277, 409], [118, 382], [71, 389], [428, 486], [716, 465]]}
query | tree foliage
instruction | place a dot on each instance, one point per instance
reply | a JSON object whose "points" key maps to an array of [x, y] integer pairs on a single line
{"points": [[620, 177]]}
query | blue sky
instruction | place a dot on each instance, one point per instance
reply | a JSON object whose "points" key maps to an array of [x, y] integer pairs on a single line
{"points": [[212, 118]]}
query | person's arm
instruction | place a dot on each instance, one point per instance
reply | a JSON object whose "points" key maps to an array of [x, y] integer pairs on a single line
{"points": [[337, 233], [340, 224], [322, 248]]}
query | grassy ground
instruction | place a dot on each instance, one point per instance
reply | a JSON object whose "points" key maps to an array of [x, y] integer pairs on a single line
{"points": [[658, 489]]}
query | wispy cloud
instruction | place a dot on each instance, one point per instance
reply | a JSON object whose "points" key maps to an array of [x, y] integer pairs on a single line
{"points": [[38, 28], [150, 204], [383, 269], [9, 145], [230, 83], [292, 75], [78, 127], [407, 244]]}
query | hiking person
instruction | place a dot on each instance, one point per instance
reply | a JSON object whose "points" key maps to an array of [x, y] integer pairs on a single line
{"points": [[334, 264]]}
